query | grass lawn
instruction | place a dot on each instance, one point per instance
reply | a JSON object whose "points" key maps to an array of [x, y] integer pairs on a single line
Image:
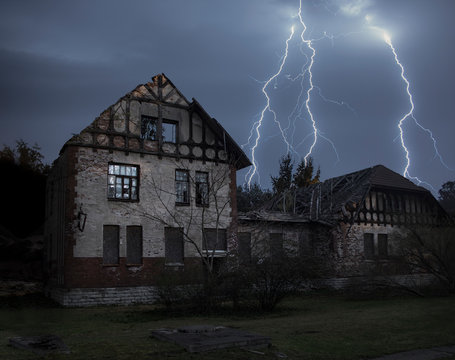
{"points": [[316, 327]]}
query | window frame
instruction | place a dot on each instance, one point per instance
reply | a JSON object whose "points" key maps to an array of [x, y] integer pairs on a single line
{"points": [[130, 177], [187, 182], [199, 199], [157, 130], [176, 131], [375, 246], [145, 119], [206, 232]]}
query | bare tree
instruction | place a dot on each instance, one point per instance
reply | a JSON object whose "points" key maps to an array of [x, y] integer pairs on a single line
{"points": [[432, 251], [196, 201]]}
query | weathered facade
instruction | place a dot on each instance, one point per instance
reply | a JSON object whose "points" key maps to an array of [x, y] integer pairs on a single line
{"points": [[348, 223], [149, 184]]}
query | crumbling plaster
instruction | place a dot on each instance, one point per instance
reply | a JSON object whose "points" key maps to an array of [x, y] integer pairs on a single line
{"points": [[155, 208]]}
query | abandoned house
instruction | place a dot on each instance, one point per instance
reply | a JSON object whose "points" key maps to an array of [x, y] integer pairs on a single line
{"points": [[149, 184], [347, 225]]}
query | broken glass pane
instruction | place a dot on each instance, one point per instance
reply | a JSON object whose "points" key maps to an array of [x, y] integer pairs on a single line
{"points": [[126, 191], [148, 128], [118, 191], [111, 191], [133, 193], [111, 179]]}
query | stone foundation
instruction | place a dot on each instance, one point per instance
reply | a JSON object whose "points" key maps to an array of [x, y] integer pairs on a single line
{"points": [[82, 297], [411, 280]]}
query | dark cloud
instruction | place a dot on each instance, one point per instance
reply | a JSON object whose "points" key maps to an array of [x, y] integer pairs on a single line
{"points": [[62, 63]]}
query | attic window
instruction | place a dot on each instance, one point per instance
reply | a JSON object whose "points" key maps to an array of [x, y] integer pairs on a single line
{"points": [[169, 131], [122, 182], [149, 128]]}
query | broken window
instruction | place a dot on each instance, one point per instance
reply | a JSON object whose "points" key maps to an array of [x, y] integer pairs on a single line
{"points": [[123, 182], [202, 188], [368, 246], [149, 128], [169, 131], [182, 187], [244, 244], [134, 245], [214, 240], [110, 244], [173, 246], [383, 246]]}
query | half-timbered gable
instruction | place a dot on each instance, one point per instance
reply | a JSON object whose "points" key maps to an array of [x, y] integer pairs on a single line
{"points": [[156, 119]]}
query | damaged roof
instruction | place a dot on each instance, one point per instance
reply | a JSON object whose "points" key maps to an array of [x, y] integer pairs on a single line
{"points": [[160, 91], [329, 201]]}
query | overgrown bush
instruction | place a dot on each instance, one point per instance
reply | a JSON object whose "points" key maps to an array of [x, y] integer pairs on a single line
{"points": [[177, 286]]}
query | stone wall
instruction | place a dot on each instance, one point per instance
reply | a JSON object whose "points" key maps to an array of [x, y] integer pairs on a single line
{"points": [[345, 283], [81, 297], [348, 257]]}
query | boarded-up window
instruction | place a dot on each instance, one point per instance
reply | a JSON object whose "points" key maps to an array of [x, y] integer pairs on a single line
{"points": [[134, 244], [244, 244], [276, 244], [110, 244], [173, 245], [382, 246], [368, 245], [214, 239]]}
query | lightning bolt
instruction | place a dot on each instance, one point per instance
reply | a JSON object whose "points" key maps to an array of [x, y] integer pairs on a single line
{"points": [[410, 114], [311, 87], [298, 109], [258, 124]]}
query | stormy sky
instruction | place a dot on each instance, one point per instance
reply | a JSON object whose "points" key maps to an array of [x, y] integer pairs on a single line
{"points": [[63, 62]]}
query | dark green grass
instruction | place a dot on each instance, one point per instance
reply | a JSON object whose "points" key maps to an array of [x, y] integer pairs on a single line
{"points": [[316, 327]]}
